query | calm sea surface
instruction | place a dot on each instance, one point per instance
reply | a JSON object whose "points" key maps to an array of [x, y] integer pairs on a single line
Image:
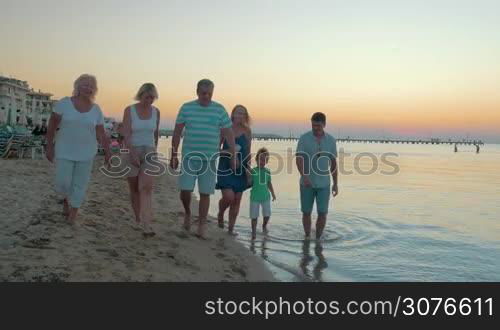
{"points": [[436, 219]]}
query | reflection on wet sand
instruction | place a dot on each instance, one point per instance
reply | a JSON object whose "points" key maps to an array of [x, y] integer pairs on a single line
{"points": [[263, 248], [307, 259]]}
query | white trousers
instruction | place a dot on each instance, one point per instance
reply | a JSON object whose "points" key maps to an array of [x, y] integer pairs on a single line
{"points": [[72, 179]]}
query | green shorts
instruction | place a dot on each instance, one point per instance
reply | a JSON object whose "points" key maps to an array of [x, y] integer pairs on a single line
{"points": [[193, 169], [308, 195]]}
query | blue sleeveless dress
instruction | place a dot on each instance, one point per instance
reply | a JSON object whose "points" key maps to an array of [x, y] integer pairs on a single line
{"points": [[226, 177]]}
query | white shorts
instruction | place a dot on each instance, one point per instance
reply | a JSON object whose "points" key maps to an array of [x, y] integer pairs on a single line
{"points": [[255, 206]]}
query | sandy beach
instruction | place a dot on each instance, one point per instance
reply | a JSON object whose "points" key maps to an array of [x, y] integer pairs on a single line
{"points": [[37, 244]]}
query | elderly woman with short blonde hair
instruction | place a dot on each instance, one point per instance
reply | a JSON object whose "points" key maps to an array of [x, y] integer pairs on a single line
{"points": [[79, 123], [141, 131]]}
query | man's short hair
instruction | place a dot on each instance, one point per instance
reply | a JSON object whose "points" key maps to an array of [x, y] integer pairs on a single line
{"points": [[319, 117], [204, 83]]}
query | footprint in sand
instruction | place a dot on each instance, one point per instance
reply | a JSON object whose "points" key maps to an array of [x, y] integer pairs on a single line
{"points": [[174, 245], [37, 243], [34, 222], [110, 252], [221, 244], [120, 212], [93, 202], [53, 277], [182, 235], [20, 234], [89, 223], [239, 269], [221, 256]]}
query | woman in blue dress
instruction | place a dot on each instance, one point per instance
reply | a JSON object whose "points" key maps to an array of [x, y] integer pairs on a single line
{"points": [[233, 183]]}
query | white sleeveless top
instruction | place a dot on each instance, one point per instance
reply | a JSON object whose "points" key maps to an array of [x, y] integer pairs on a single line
{"points": [[143, 130]]}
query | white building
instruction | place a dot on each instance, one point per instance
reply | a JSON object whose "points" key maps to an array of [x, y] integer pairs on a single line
{"points": [[21, 104], [39, 106]]}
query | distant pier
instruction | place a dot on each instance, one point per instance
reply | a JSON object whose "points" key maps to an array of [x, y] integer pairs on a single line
{"points": [[384, 141], [356, 140]]}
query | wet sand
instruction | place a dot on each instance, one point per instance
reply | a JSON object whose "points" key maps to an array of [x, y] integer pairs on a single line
{"points": [[37, 244]]}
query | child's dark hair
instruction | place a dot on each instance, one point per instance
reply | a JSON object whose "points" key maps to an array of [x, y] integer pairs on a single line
{"points": [[319, 117], [261, 151]]}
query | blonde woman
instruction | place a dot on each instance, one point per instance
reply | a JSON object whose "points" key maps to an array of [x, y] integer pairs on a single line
{"points": [[233, 183], [140, 129], [81, 123]]}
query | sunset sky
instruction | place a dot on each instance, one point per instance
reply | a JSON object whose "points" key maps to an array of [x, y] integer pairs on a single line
{"points": [[376, 68]]}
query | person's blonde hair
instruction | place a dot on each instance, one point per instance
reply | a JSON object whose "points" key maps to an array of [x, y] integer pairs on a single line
{"points": [[248, 120], [78, 82], [148, 88]]}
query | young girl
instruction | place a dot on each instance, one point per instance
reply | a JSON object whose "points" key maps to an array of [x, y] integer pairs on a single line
{"points": [[259, 195]]}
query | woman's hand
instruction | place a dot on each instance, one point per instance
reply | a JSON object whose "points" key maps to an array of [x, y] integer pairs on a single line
{"points": [[134, 159]]}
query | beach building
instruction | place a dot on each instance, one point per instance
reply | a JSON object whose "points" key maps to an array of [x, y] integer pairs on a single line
{"points": [[22, 105], [39, 106]]}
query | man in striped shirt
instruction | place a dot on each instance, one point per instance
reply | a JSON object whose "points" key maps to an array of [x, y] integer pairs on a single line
{"points": [[203, 121]]}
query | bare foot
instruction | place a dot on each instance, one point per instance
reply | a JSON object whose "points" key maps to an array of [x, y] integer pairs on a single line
{"points": [[148, 231], [72, 215], [265, 230], [220, 219], [187, 222], [232, 233], [202, 231], [254, 236], [65, 208], [136, 225]]}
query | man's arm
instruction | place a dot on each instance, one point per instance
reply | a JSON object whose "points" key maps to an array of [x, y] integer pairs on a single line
{"points": [[229, 137], [176, 140], [299, 161], [335, 176]]}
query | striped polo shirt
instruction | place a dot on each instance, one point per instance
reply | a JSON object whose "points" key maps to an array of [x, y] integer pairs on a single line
{"points": [[202, 128]]}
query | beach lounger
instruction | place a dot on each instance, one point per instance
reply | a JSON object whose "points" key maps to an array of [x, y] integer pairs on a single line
{"points": [[19, 144]]}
